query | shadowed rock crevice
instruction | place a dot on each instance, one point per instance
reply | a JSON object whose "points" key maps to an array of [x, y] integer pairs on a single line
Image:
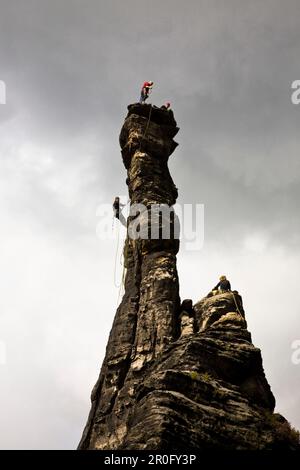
{"points": [[176, 376]]}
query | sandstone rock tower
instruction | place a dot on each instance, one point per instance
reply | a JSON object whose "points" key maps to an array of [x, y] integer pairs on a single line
{"points": [[175, 377]]}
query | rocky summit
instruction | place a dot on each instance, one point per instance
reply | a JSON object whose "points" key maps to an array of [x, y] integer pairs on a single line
{"points": [[176, 376]]}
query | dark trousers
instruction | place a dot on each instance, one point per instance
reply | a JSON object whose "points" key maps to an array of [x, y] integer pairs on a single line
{"points": [[144, 96]]}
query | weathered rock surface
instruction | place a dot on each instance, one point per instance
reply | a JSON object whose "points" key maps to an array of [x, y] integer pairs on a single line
{"points": [[175, 376]]}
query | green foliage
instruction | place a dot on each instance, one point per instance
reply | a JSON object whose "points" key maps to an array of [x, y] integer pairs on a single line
{"points": [[206, 377], [194, 375]]}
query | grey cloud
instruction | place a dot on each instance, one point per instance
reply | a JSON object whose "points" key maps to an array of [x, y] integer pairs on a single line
{"points": [[71, 69]]}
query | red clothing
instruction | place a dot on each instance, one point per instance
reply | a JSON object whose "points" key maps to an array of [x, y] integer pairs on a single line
{"points": [[146, 85]]}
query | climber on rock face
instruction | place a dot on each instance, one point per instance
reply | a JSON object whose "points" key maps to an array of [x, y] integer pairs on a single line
{"points": [[146, 88], [186, 317], [117, 208], [166, 106], [223, 285]]}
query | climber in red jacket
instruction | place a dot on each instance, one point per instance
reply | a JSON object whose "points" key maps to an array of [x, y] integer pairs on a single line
{"points": [[146, 88]]}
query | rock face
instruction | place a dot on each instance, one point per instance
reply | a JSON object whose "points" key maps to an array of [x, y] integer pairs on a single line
{"points": [[175, 376]]}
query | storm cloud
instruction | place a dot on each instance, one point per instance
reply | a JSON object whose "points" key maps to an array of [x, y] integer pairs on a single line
{"points": [[70, 68]]}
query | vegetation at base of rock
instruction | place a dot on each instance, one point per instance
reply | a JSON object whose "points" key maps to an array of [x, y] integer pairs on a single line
{"points": [[284, 432]]}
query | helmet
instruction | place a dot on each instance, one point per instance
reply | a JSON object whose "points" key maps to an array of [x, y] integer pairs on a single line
{"points": [[222, 278], [150, 82]]}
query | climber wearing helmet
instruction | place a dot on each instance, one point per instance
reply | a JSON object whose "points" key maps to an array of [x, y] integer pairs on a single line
{"points": [[223, 285], [146, 88]]}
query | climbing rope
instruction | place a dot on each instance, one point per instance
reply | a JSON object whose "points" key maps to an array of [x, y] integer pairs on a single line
{"points": [[117, 250], [116, 256], [121, 287], [150, 112], [236, 304], [146, 129], [120, 260], [124, 269]]}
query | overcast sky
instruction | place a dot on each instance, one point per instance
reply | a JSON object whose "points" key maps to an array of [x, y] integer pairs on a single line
{"points": [[71, 67]]}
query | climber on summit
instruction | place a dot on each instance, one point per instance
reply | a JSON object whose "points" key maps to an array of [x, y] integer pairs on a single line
{"points": [[117, 208], [223, 285], [146, 88], [166, 106]]}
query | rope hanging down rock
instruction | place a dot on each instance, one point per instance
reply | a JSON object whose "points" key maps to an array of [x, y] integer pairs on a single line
{"points": [[146, 129], [236, 304]]}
